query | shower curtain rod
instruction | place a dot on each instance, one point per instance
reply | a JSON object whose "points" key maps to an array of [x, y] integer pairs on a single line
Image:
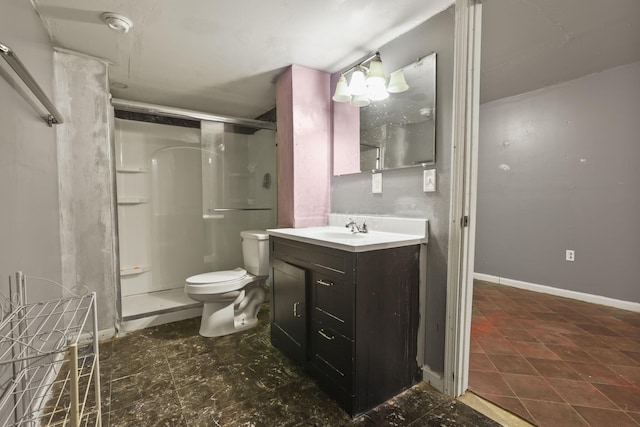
{"points": [[160, 110], [54, 117]]}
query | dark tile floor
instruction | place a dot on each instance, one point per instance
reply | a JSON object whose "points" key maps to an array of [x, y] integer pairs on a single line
{"points": [[170, 376], [555, 361]]}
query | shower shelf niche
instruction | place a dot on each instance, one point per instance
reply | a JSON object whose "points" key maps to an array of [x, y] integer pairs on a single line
{"points": [[131, 170], [132, 200], [132, 271]]}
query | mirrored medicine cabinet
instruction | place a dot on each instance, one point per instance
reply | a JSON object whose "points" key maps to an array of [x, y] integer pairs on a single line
{"points": [[399, 132]]}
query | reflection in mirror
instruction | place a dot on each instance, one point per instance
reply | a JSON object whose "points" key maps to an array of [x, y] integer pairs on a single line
{"points": [[400, 130]]}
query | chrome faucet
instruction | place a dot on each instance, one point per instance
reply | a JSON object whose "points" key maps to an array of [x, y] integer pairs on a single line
{"points": [[355, 228]]}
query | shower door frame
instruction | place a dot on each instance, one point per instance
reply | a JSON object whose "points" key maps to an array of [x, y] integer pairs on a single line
{"points": [[163, 111]]}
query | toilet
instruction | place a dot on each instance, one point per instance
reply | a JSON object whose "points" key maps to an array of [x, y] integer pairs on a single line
{"points": [[232, 298]]}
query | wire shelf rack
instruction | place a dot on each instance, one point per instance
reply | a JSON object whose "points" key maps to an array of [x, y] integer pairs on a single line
{"points": [[49, 364]]}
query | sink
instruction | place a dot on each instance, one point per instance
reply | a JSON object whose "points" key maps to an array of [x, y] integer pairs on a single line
{"points": [[331, 234], [340, 237]]}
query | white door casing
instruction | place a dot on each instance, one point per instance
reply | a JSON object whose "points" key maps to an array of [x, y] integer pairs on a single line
{"points": [[464, 160]]}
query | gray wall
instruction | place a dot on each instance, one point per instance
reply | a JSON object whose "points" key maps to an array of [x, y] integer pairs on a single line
{"points": [[402, 189], [558, 169], [29, 231], [86, 180]]}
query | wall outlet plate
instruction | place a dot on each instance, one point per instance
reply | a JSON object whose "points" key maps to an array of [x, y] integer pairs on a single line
{"points": [[429, 180], [376, 183], [570, 255]]}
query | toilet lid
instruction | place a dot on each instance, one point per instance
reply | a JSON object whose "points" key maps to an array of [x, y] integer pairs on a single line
{"points": [[218, 276]]}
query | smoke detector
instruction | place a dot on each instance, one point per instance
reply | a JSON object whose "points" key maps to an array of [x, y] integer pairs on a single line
{"points": [[117, 22]]}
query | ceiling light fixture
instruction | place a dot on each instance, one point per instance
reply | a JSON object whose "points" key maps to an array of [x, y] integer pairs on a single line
{"points": [[117, 22], [368, 84]]}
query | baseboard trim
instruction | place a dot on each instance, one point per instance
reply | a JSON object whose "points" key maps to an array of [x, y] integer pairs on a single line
{"points": [[435, 379], [580, 296]]}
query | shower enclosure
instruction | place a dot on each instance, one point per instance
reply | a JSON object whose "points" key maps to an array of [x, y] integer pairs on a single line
{"points": [[185, 190]]}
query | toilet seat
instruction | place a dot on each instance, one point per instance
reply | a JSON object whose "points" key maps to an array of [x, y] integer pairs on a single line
{"points": [[218, 276], [217, 282]]}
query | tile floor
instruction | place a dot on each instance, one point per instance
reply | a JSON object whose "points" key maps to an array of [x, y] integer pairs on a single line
{"points": [[555, 361], [170, 376]]}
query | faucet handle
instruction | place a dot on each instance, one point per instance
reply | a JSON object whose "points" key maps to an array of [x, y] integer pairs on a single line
{"points": [[364, 227]]}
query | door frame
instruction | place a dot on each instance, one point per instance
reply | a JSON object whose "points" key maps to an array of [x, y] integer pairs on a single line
{"points": [[462, 222]]}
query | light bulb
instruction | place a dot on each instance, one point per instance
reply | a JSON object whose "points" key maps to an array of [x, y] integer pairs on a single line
{"points": [[397, 82], [342, 91], [357, 85], [360, 100], [376, 73], [377, 91]]}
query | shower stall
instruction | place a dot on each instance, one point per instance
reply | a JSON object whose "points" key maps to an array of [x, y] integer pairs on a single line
{"points": [[185, 190]]}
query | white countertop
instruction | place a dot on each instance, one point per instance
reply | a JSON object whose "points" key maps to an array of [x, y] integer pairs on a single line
{"points": [[342, 238]]}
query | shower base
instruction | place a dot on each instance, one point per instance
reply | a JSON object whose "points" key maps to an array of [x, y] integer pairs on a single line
{"points": [[157, 308]]}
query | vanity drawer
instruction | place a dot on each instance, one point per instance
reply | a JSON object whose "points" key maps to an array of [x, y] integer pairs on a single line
{"points": [[332, 354], [329, 260], [333, 302]]}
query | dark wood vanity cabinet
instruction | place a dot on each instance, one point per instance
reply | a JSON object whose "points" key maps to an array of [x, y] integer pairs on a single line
{"points": [[288, 311], [350, 318]]}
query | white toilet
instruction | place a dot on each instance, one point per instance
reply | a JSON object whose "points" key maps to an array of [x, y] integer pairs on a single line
{"points": [[232, 298]]}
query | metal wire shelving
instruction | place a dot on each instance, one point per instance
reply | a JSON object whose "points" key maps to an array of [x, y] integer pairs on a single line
{"points": [[49, 363]]}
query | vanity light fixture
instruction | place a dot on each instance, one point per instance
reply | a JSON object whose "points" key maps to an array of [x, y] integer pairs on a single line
{"points": [[397, 82], [358, 85], [342, 93], [117, 22], [368, 84], [360, 100]]}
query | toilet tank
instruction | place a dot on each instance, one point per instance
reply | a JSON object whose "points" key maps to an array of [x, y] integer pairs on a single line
{"points": [[255, 251]]}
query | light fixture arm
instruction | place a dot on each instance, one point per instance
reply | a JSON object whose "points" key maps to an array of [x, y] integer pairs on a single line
{"points": [[360, 63]]}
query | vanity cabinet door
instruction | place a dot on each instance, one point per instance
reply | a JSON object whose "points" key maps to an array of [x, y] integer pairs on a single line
{"points": [[289, 318]]}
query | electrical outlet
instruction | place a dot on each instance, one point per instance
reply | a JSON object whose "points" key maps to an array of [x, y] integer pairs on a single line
{"points": [[570, 255]]}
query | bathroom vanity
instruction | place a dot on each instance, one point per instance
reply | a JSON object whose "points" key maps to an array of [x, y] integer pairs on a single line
{"points": [[346, 306]]}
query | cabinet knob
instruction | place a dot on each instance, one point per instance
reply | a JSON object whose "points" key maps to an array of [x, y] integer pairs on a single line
{"points": [[324, 335], [323, 283]]}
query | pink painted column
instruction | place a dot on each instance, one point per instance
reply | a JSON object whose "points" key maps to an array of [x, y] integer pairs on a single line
{"points": [[303, 106]]}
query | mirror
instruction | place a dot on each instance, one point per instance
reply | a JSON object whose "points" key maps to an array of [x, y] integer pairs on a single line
{"points": [[400, 131]]}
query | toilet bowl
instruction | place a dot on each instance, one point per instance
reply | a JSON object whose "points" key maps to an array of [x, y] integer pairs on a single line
{"points": [[232, 298]]}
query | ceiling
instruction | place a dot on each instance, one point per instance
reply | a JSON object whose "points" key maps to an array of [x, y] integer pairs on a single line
{"points": [[531, 44], [223, 56]]}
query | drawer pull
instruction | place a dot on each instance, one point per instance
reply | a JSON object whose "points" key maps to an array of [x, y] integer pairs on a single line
{"points": [[324, 335], [323, 283], [295, 310]]}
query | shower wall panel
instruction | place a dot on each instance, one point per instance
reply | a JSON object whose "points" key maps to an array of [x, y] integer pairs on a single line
{"points": [[184, 196], [159, 205]]}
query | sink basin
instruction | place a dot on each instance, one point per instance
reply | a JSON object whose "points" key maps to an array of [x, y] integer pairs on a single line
{"points": [[347, 234], [342, 238]]}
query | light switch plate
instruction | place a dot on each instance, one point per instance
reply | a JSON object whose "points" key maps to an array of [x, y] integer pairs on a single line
{"points": [[429, 180], [376, 183]]}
